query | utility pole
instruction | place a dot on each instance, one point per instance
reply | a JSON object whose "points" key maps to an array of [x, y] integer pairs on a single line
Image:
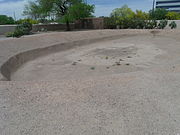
{"points": [[154, 1], [14, 16]]}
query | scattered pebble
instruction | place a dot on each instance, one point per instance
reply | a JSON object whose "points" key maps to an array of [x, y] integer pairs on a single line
{"points": [[107, 67], [92, 68], [118, 63], [129, 57], [127, 64], [121, 60], [74, 63]]}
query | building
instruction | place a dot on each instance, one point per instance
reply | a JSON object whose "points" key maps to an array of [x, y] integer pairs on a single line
{"points": [[171, 5]]}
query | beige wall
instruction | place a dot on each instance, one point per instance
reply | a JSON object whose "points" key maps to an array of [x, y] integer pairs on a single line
{"points": [[6, 28], [49, 27], [90, 23]]}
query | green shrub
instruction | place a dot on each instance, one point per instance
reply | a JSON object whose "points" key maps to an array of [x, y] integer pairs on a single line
{"points": [[173, 25], [9, 34], [21, 21], [138, 24], [110, 22], [162, 24], [21, 29], [158, 14], [25, 27], [173, 16], [18, 33], [150, 24], [6, 20]]}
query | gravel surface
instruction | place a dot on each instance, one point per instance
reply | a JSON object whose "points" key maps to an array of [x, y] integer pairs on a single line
{"points": [[128, 85]]}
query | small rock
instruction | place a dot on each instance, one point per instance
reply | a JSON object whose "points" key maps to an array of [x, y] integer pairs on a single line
{"points": [[92, 68], [74, 63], [121, 60], [129, 57], [127, 64], [118, 63]]}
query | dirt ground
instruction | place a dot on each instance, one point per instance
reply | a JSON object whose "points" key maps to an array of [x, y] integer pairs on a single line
{"points": [[124, 55], [124, 86]]}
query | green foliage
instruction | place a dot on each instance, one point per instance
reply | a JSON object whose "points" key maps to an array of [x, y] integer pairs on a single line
{"points": [[158, 14], [123, 16], [26, 27], [110, 22], [6, 20], [173, 25], [9, 34], [34, 10], [18, 33], [31, 21], [162, 24], [139, 20], [141, 15], [173, 16], [22, 29], [123, 12], [151, 24], [64, 10], [80, 11]]}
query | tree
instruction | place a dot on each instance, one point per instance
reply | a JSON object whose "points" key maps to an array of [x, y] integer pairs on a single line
{"points": [[123, 12], [158, 14], [123, 16], [81, 10], [6, 20], [141, 15], [173, 16], [33, 10], [68, 10]]}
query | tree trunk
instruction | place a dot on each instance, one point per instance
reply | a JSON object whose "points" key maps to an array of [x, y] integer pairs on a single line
{"points": [[68, 26]]}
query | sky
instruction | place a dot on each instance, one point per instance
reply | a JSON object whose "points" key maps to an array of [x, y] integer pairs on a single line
{"points": [[103, 7]]}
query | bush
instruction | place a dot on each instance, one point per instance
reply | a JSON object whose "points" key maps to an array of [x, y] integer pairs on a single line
{"points": [[9, 34], [25, 27], [162, 24], [173, 16], [6, 20], [21, 29], [151, 24], [110, 22], [158, 14], [138, 24], [173, 25], [125, 18], [21, 21], [18, 33]]}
